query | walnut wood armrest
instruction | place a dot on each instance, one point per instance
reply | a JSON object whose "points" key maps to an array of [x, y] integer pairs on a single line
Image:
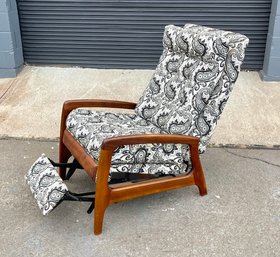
{"points": [[73, 104], [70, 105], [114, 142], [110, 144]]}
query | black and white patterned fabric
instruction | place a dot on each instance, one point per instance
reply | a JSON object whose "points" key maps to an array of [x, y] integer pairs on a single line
{"points": [[186, 95], [45, 184], [193, 79]]}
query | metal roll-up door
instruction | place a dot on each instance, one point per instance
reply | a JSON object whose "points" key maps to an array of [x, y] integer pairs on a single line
{"points": [[128, 33]]}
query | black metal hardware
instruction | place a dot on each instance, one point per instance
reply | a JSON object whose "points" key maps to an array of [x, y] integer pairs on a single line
{"points": [[81, 197], [72, 167]]}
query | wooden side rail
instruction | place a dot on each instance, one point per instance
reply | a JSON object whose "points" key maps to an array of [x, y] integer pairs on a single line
{"points": [[156, 185]]}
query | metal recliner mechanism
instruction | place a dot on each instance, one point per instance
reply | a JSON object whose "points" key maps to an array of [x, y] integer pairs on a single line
{"points": [[48, 188], [72, 167]]}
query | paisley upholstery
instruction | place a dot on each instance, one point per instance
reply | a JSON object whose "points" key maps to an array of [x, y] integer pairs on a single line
{"points": [[192, 81], [45, 184], [186, 95]]}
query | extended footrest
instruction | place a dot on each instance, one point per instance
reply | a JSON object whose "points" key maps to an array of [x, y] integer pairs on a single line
{"points": [[48, 188]]}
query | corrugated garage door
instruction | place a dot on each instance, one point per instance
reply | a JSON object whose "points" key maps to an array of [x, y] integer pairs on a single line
{"points": [[127, 33]]}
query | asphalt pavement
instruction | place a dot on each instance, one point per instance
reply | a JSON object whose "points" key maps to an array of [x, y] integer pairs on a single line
{"points": [[240, 216]]}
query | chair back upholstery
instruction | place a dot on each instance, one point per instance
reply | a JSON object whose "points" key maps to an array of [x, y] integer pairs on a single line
{"points": [[192, 81]]}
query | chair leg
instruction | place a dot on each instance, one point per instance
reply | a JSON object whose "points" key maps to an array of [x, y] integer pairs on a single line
{"points": [[202, 190], [200, 181], [99, 211], [64, 155]]}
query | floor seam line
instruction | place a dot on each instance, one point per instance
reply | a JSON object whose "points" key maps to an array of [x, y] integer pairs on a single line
{"points": [[252, 158]]}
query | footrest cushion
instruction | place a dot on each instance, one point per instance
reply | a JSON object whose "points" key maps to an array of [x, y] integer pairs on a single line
{"points": [[45, 184]]}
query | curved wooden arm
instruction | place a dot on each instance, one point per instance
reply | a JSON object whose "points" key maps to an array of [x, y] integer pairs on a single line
{"points": [[114, 142], [110, 144], [73, 104]]}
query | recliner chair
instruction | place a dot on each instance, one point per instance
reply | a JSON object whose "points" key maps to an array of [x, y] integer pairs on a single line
{"points": [[157, 147]]}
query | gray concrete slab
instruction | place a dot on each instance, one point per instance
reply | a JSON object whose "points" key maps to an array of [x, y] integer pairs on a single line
{"points": [[240, 216], [32, 105]]}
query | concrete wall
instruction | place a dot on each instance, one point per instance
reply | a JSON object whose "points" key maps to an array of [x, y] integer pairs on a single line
{"points": [[11, 57], [271, 66]]}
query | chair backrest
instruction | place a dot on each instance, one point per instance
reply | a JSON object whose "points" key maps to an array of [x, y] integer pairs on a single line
{"points": [[193, 79]]}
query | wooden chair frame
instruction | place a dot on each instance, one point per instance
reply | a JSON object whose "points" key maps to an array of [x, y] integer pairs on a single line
{"points": [[106, 193]]}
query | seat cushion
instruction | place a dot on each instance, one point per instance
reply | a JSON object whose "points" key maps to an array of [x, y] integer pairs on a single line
{"points": [[91, 127]]}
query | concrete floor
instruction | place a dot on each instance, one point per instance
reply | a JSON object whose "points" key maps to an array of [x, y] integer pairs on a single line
{"points": [[240, 216], [30, 105]]}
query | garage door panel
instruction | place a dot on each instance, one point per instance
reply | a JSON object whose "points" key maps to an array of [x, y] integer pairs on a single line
{"points": [[128, 33]]}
